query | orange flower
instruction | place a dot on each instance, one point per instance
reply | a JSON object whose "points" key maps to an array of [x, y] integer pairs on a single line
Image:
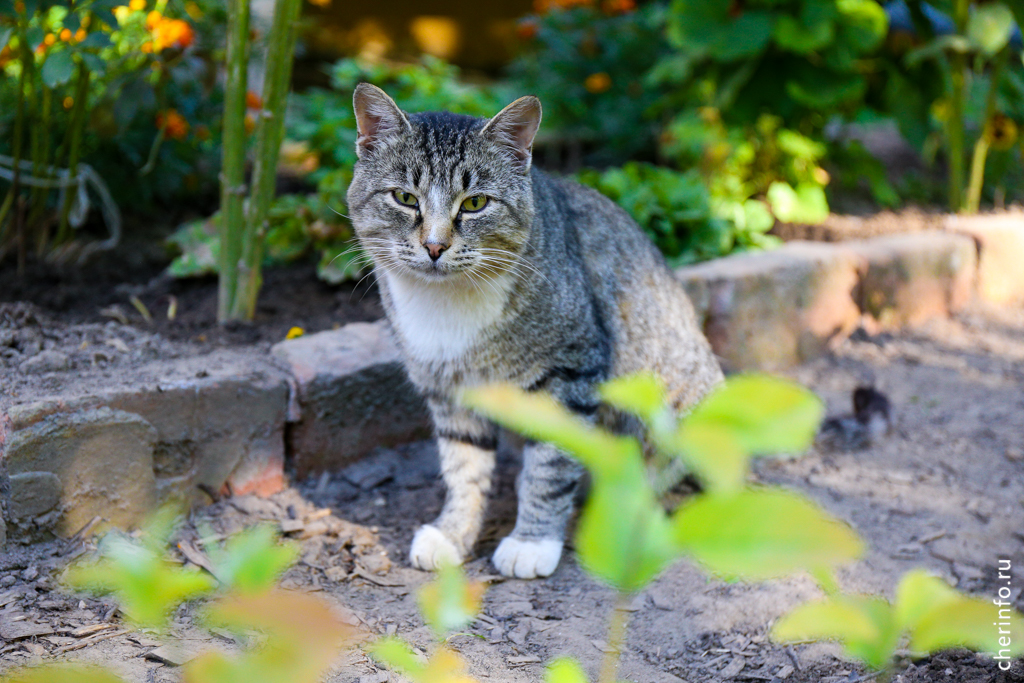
{"points": [[137, 5], [618, 6], [598, 83], [80, 35], [153, 19], [253, 101], [68, 102], [5, 55], [250, 124], [65, 35], [172, 124], [526, 30], [50, 39], [19, 7], [171, 33]]}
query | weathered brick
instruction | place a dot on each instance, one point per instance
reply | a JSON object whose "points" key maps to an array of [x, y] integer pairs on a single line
{"points": [[103, 459], [353, 395], [770, 310], [1000, 241], [910, 278]]}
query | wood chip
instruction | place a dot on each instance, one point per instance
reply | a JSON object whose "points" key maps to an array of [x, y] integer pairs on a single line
{"points": [[169, 655], [319, 514], [784, 673], [86, 642], [89, 630], [197, 557], [11, 629], [525, 659], [290, 526], [602, 646], [378, 580], [733, 668], [34, 648]]}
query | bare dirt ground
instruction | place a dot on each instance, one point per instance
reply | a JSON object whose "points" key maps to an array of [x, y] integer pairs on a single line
{"points": [[945, 491]]}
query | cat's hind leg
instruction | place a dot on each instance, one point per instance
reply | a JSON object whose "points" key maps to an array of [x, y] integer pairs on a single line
{"points": [[466, 445]]}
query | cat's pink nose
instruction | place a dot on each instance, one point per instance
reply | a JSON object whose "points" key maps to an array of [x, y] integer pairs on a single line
{"points": [[435, 250]]}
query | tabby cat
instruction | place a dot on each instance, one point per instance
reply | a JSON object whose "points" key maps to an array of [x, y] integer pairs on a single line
{"points": [[492, 271]]}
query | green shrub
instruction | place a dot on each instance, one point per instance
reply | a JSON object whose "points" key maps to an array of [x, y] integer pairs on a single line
{"points": [[587, 62], [676, 212]]}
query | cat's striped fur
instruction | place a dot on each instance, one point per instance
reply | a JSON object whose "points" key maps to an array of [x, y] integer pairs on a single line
{"points": [[550, 286]]}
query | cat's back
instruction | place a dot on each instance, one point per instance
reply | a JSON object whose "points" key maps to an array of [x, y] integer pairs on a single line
{"points": [[645, 308]]}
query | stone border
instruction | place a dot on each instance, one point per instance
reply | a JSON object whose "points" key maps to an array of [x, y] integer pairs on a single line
{"points": [[330, 398]]}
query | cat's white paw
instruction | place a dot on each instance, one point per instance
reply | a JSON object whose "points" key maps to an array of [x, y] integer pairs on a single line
{"points": [[431, 548], [527, 559]]}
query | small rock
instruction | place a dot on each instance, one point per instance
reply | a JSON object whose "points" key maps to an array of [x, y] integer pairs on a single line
{"points": [[1014, 454], [368, 473], [30, 574], [290, 526], [336, 574], [34, 648], [515, 608], [46, 361], [379, 677], [519, 634], [166, 654], [376, 563], [7, 581], [16, 630]]}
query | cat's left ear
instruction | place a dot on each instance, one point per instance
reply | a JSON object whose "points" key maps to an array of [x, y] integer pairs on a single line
{"points": [[514, 127]]}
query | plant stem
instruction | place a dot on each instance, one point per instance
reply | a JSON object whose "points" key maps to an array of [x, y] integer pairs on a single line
{"points": [[74, 146], [19, 131], [41, 162], [269, 133], [973, 201], [616, 636], [232, 210], [955, 127]]}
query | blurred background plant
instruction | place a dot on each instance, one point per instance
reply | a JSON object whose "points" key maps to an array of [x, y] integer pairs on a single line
{"points": [[709, 122], [131, 89]]}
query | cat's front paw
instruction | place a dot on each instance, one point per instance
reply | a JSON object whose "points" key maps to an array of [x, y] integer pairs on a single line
{"points": [[431, 548], [527, 558]]}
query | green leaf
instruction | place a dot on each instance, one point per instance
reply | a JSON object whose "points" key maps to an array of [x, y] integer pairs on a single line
{"points": [[793, 35], [147, 586], [864, 624], [989, 27], [804, 204], [450, 602], [540, 417], [642, 395], [939, 617], [761, 534], [252, 560], [864, 23], [396, 654], [564, 670], [623, 537], [58, 68], [747, 415]]}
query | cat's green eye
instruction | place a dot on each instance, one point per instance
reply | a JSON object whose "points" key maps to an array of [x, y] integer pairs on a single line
{"points": [[405, 198], [474, 203]]}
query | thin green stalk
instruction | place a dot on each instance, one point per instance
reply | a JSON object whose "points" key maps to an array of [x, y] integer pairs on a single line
{"points": [[232, 210], [616, 637], [78, 120], [955, 127], [269, 134], [981, 147], [19, 131], [42, 162]]}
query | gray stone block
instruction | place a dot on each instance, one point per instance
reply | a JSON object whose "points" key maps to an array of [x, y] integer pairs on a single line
{"points": [[353, 396]]}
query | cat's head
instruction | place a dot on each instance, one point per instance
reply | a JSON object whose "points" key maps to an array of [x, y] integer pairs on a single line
{"points": [[438, 195]]}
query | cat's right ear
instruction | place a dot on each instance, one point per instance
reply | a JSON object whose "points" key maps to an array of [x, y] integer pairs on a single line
{"points": [[377, 117]]}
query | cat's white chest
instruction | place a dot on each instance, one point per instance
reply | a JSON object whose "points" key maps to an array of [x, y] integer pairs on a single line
{"points": [[441, 322]]}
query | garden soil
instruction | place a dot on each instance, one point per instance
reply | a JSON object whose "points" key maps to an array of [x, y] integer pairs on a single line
{"points": [[944, 491]]}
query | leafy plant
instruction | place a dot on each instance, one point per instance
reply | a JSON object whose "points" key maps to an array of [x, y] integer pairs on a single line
{"points": [[300, 634], [952, 75], [676, 212], [586, 61], [128, 89], [735, 531]]}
